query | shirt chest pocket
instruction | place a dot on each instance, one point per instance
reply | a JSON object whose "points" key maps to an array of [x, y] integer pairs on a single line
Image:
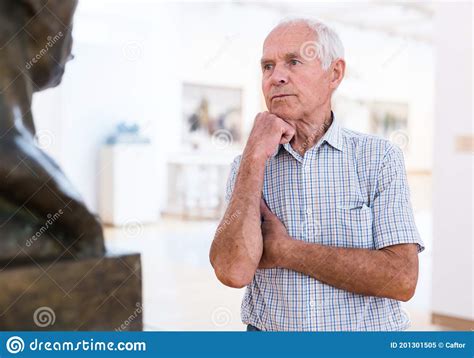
{"points": [[354, 226]]}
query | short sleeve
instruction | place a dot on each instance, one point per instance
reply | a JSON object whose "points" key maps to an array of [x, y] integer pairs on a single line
{"points": [[394, 222], [232, 178]]}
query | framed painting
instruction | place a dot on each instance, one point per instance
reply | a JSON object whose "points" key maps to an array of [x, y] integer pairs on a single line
{"points": [[211, 115]]}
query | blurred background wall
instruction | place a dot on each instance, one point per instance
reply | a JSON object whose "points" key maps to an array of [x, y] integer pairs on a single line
{"points": [[453, 253]]}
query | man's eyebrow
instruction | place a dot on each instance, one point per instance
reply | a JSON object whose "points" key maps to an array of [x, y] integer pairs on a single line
{"points": [[292, 55], [288, 56]]}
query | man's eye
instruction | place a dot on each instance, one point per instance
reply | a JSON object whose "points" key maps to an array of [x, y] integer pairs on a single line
{"points": [[267, 67], [294, 62]]}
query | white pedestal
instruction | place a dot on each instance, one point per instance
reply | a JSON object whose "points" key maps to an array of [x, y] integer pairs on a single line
{"points": [[197, 183], [128, 183]]}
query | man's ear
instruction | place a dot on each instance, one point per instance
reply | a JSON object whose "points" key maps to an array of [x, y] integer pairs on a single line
{"points": [[338, 69]]}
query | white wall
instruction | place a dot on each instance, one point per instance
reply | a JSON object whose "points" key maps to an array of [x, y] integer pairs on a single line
{"points": [[106, 83], [214, 43], [453, 170]]}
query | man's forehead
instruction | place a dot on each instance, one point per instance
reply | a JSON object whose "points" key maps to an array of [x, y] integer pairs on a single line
{"points": [[287, 39]]}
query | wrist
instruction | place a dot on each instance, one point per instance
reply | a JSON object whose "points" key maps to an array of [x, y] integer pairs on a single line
{"points": [[286, 250], [254, 156]]}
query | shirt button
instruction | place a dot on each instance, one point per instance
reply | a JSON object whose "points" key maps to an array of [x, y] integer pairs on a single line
{"points": [[306, 168], [309, 211], [312, 303]]}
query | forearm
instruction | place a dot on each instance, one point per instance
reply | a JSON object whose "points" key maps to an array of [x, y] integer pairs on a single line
{"points": [[237, 246], [380, 273]]}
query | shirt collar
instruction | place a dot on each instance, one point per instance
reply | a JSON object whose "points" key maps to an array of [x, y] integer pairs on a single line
{"points": [[333, 137]]}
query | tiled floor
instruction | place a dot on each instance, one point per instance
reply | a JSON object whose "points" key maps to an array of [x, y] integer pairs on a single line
{"points": [[180, 291]]}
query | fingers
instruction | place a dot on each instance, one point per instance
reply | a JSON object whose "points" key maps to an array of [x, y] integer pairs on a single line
{"points": [[274, 129], [288, 132], [286, 137]]}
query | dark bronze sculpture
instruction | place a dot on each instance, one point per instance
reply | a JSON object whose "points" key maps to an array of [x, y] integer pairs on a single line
{"points": [[42, 217]]}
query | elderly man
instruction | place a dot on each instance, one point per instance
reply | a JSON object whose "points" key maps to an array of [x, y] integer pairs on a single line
{"points": [[319, 224]]}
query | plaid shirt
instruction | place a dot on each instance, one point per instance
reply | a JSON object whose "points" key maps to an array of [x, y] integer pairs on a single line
{"points": [[349, 190]]}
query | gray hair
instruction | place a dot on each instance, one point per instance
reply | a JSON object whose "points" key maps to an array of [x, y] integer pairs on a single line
{"points": [[327, 46]]}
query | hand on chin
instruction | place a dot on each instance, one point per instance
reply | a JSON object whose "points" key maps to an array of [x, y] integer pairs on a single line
{"points": [[284, 113]]}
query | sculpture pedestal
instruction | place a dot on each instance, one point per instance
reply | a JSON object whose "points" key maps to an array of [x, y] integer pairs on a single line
{"points": [[88, 294]]}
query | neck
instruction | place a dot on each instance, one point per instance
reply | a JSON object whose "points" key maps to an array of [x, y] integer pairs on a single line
{"points": [[15, 103], [310, 129]]}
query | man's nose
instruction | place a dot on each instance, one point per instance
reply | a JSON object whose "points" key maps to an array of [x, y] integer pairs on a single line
{"points": [[279, 76]]}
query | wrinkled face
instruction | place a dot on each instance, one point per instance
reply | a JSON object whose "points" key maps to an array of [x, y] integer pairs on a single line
{"points": [[293, 82]]}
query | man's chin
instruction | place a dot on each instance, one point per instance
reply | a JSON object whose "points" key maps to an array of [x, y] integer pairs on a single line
{"points": [[284, 113]]}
